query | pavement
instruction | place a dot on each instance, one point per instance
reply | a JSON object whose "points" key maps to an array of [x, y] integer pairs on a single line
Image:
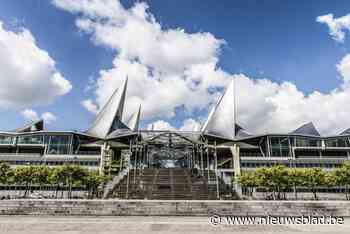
{"points": [[139, 224]]}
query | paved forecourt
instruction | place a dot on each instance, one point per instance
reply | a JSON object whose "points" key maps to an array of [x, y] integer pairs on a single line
{"points": [[145, 225], [173, 207]]}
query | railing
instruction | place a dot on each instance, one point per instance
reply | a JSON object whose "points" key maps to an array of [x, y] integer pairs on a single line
{"points": [[71, 156], [116, 180], [19, 155]]}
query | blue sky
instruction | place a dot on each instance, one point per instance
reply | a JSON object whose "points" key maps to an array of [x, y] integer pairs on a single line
{"points": [[276, 40]]}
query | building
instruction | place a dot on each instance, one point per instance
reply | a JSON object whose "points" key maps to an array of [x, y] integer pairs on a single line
{"points": [[216, 153]]}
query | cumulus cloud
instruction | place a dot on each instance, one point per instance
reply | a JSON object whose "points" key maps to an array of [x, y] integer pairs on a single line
{"points": [[32, 115], [90, 106], [188, 125], [337, 26], [266, 106], [28, 74], [48, 117], [344, 68], [160, 125], [135, 34], [166, 67], [171, 68]]}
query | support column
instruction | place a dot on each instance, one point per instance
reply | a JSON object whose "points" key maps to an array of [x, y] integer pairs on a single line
{"points": [[237, 168], [141, 159], [128, 175], [106, 158], [135, 163], [216, 172], [268, 146], [208, 163], [202, 163], [102, 158]]}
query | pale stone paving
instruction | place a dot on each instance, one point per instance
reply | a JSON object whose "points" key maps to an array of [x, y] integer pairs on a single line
{"points": [[145, 225]]}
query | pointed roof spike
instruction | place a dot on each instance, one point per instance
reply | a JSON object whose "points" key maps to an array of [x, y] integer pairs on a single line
{"points": [[221, 120], [120, 129], [32, 127], [134, 120], [107, 119], [307, 129], [238, 128], [346, 132], [241, 132]]}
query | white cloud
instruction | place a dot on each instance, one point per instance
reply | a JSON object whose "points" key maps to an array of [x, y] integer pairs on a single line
{"points": [[135, 34], [265, 106], [28, 74], [48, 117], [344, 68], [32, 115], [167, 68], [190, 125], [171, 68], [90, 106], [337, 26], [160, 125]]}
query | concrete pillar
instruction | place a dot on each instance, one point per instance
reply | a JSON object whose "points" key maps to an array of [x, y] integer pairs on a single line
{"points": [[104, 157], [236, 168]]}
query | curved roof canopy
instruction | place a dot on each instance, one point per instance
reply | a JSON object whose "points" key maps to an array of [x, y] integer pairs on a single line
{"points": [[346, 132], [307, 129], [109, 119], [221, 120]]}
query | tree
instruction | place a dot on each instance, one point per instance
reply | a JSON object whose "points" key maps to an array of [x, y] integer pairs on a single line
{"points": [[6, 174], [93, 181], [24, 175], [5, 171], [41, 175], [279, 177], [72, 174], [274, 178], [249, 181], [295, 179], [342, 177], [313, 178]]}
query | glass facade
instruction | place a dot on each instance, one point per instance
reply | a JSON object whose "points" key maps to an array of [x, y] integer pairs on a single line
{"points": [[31, 139], [6, 140], [59, 144], [295, 164], [337, 142], [307, 142], [279, 146]]}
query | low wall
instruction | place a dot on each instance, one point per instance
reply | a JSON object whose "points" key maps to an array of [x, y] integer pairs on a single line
{"points": [[173, 208]]}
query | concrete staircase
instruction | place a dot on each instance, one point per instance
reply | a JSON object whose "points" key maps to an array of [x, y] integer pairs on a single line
{"points": [[110, 186], [165, 184]]}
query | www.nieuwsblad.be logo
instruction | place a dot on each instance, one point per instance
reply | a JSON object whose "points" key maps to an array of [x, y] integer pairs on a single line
{"points": [[216, 220]]}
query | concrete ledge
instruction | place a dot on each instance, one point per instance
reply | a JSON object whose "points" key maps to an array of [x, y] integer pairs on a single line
{"points": [[173, 208]]}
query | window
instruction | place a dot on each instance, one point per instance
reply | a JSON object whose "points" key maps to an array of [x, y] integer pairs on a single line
{"points": [[59, 144], [279, 146], [307, 142], [337, 142], [31, 139], [8, 140]]}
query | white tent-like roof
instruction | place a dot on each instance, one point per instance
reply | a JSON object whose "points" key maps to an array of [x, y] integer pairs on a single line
{"points": [[134, 120], [221, 120], [109, 118]]}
